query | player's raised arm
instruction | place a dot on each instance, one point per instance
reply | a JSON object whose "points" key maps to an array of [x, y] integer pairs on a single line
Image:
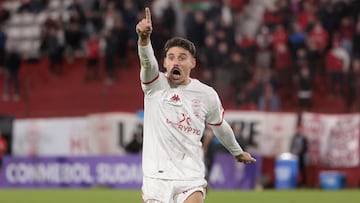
{"points": [[144, 28], [149, 65]]}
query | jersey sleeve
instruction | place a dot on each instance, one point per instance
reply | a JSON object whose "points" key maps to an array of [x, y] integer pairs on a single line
{"points": [[149, 67], [226, 136], [221, 128], [216, 111]]}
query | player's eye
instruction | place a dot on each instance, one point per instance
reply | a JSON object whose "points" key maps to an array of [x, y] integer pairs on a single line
{"points": [[181, 58]]}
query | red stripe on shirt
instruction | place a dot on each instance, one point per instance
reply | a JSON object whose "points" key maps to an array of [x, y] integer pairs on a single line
{"points": [[222, 119], [151, 81]]}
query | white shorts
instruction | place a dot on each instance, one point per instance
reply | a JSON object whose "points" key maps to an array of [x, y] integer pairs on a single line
{"points": [[170, 191]]}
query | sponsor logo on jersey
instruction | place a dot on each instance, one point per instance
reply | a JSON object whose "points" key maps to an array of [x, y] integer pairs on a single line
{"points": [[184, 125]]}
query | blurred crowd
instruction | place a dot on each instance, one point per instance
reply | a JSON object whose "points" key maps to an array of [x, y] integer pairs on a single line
{"points": [[285, 47], [254, 52]]}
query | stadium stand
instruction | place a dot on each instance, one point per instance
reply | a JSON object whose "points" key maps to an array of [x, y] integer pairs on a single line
{"points": [[40, 91]]}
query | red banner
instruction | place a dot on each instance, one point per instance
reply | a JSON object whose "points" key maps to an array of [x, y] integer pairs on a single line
{"points": [[333, 139]]}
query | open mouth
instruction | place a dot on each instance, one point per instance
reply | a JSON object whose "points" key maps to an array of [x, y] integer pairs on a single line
{"points": [[175, 73]]}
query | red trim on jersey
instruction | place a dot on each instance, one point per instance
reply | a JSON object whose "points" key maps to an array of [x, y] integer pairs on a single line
{"points": [[222, 119], [151, 81]]}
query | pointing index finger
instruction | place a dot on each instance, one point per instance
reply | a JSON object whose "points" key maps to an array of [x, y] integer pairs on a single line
{"points": [[147, 15]]}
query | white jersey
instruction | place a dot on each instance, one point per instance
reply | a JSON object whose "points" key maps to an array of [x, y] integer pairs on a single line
{"points": [[174, 121]]}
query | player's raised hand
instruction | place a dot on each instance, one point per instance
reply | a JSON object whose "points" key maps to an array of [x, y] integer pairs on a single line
{"points": [[144, 27], [245, 158]]}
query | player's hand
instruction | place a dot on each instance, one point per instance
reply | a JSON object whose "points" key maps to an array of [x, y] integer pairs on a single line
{"points": [[245, 158], [144, 27]]}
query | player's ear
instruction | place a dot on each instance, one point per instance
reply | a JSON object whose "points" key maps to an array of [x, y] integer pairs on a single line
{"points": [[193, 63]]}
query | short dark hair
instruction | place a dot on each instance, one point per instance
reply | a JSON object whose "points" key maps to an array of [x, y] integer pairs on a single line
{"points": [[180, 42]]}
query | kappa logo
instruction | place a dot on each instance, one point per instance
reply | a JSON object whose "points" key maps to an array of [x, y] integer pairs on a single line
{"points": [[175, 98]]}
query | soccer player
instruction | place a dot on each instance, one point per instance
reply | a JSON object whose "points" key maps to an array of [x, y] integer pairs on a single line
{"points": [[176, 111]]}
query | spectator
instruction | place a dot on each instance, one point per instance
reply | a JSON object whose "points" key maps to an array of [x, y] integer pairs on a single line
{"points": [[110, 51], [121, 34], [169, 19], [210, 61], [53, 50], [93, 56], [285, 10], [12, 64], [269, 100], [225, 30], [3, 39], [4, 14], [297, 39], [304, 84], [249, 96], [247, 45], [319, 36], [225, 74], [301, 58], [73, 38], [240, 72], [337, 63], [222, 58], [76, 10], [346, 32], [129, 14], [33, 6], [282, 63], [263, 52], [135, 145], [280, 36], [328, 16], [307, 15], [295, 6], [238, 5], [214, 10], [314, 58], [3, 148], [274, 16], [111, 14], [299, 147], [353, 86], [356, 40], [95, 16], [195, 27]]}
